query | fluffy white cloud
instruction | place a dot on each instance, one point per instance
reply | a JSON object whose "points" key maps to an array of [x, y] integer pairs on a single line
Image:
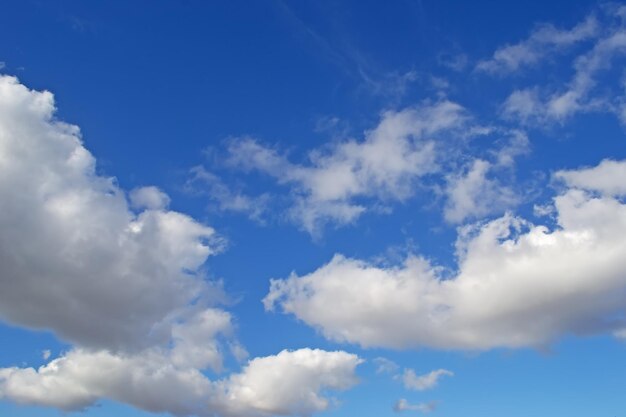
{"points": [[290, 383], [607, 178], [423, 382], [544, 40], [474, 195], [385, 165], [403, 405], [149, 198], [517, 284], [75, 259], [126, 287]]}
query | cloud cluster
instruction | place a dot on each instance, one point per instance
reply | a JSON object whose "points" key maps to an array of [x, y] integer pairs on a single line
{"points": [[122, 279], [386, 165], [517, 284], [545, 105], [289, 383]]}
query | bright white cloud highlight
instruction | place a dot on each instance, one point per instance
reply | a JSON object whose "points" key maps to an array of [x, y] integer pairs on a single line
{"points": [[517, 284], [289, 383], [423, 382]]}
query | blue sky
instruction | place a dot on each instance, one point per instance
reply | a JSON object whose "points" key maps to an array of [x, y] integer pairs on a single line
{"points": [[247, 209]]}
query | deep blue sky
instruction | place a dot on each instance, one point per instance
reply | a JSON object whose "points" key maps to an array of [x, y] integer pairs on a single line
{"points": [[160, 87]]}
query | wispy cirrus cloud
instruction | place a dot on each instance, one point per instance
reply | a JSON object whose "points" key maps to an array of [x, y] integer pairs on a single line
{"points": [[333, 184], [586, 90], [543, 41]]}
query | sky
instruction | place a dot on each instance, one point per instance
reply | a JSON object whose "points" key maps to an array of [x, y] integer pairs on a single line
{"points": [[298, 208]]}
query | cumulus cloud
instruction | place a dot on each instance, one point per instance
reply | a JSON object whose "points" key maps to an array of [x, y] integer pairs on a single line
{"points": [[289, 383], [423, 382], [606, 178], [544, 40], [93, 271], [403, 405], [335, 182], [125, 283], [518, 284]]}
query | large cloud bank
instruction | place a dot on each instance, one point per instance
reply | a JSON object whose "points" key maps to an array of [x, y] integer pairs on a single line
{"points": [[124, 286]]}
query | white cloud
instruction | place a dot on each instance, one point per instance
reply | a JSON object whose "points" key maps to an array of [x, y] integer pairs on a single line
{"points": [[403, 405], [517, 285], [93, 272], [542, 106], [150, 198], [576, 97], [226, 198], [195, 340], [608, 178], [45, 354], [524, 105], [423, 382], [544, 40], [385, 366], [127, 289], [290, 383], [386, 165], [474, 195]]}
